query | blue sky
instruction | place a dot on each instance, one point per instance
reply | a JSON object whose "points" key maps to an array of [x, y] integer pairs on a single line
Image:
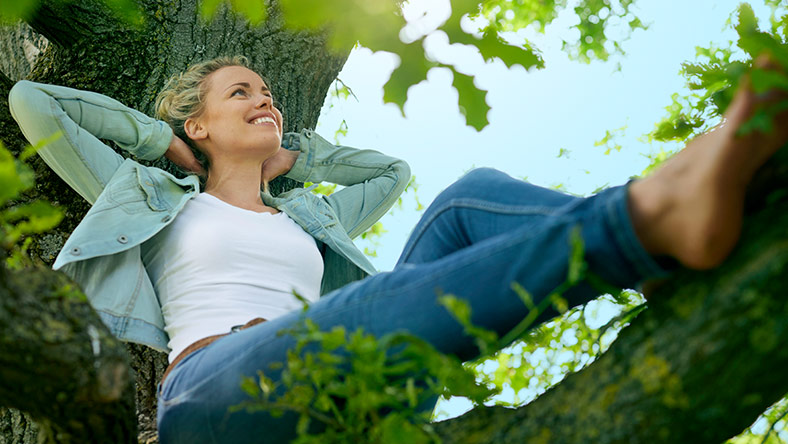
{"points": [[534, 114]]}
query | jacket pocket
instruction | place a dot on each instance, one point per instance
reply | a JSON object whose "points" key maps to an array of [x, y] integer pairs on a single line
{"points": [[322, 214], [133, 193]]}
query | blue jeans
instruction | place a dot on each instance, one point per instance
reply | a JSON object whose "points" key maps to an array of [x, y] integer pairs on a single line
{"points": [[482, 233]]}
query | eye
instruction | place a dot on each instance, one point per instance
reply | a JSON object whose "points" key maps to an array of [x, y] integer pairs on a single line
{"points": [[239, 90]]}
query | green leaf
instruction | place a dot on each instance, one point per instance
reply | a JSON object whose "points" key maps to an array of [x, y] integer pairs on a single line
{"points": [[254, 10], [375, 24], [334, 339], [472, 101], [41, 216], [747, 23], [12, 11], [765, 80], [14, 177], [29, 151], [524, 295], [249, 386], [208, 8], [412, 70], [490, 45], [486, 340], [396, 430], [128, 11]]}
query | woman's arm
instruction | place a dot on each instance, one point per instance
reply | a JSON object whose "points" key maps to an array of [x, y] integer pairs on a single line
{"points": [[373, 181], [81, 118]]}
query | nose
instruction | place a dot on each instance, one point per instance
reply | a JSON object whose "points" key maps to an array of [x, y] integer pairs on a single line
{"points": [[264, 100]]}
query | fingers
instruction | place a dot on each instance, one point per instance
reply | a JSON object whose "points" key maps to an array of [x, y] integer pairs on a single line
{"points": [[197, 168], [181, 154]]}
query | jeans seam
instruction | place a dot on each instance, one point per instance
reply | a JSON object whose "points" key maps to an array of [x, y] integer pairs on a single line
{"points": [[473, 204], [177, 399], [471, 260]]}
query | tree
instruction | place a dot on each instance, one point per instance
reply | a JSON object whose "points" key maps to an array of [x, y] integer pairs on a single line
{"points": [[90, 48], [644, 376]]}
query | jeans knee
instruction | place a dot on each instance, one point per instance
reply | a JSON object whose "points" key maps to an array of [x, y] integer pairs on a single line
{"points": [[473, 183], [482, 174]]}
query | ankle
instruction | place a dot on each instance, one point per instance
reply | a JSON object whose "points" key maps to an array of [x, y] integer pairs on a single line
{"points": [[648, 205]]}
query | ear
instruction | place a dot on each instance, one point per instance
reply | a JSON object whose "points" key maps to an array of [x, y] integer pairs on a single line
{"points": [[194, 129]]}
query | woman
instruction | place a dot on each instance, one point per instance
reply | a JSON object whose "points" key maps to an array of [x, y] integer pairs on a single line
{"points": [[200, 265]]}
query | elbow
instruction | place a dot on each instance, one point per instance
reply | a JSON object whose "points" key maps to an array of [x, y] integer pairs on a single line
{"points": [[18, 93], [27, 100], [402, 173]]}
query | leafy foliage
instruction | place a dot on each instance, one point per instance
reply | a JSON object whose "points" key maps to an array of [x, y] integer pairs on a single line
{"points": [[597, 19], [359, 388], [18, 220], [610, 141], [719, 71], [378, 25]]}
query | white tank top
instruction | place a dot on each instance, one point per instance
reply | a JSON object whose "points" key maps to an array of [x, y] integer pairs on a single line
{"points": [[217, 265]]}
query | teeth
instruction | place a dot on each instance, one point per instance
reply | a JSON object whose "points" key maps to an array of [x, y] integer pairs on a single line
{"points": [[260, 120]]}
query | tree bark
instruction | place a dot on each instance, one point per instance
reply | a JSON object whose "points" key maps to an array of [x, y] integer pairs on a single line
{"points": [[58, 362], [90, 49], [20, 46], [699, 365]]}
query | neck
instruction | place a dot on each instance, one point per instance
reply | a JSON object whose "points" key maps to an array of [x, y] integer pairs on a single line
{"points": [[237, 183]]}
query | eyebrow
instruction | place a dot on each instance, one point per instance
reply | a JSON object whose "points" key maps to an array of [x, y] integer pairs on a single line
{"points": [[246, 85]]}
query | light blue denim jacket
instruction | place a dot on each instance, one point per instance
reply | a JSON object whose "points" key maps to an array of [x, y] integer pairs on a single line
{"points": [[132, 202]]}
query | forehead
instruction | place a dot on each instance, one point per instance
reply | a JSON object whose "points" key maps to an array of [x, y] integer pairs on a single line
{"points": [[223, 78]]}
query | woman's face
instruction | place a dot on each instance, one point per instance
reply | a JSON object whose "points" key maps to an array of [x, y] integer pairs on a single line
{"points": [[239, 119]]}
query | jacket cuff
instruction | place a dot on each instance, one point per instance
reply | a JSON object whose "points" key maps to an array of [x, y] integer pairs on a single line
{"points": [[303, 166], [158, 142]]}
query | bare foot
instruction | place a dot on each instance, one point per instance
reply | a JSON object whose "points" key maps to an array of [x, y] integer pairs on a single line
{"points": [[691, 208]]}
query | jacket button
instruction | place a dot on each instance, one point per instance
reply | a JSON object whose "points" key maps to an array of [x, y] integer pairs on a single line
{"points": [[166, 218], [123, 239], [76, 251]]}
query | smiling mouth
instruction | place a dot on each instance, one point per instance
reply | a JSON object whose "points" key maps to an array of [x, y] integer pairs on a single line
{"points": [[264, 120]]}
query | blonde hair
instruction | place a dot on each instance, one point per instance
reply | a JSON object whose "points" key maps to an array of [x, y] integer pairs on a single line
{"points": [[183, 95]]}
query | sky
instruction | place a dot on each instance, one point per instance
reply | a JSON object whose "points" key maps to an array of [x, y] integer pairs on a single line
{"points": [[568, 105], [535, 115]]}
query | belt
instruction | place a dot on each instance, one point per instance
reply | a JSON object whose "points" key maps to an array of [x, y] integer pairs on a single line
{"points": [[204, 342]]}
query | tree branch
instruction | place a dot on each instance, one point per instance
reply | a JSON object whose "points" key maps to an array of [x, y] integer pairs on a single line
{"points": [[60, 364], [698, 366]]}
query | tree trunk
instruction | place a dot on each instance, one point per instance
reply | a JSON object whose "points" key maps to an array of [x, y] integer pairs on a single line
{"points": [[84, 46]]}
